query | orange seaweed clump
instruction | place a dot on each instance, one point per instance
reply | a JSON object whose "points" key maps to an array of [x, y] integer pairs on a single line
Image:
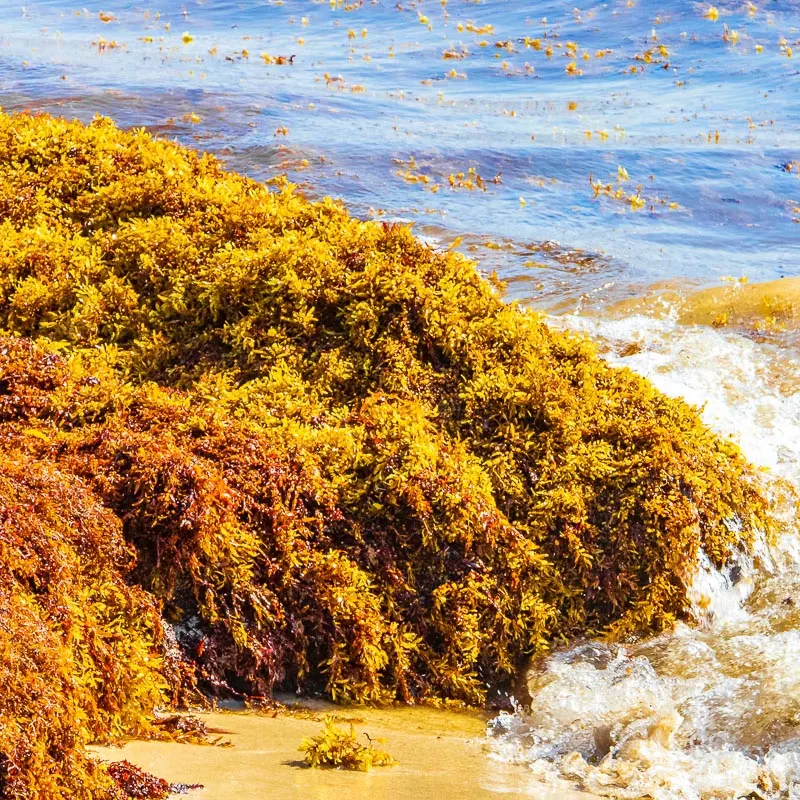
{"points": [[342, 463], [286, 556], [79, 648]]}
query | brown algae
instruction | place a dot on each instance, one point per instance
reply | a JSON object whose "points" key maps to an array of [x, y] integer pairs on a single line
{"points": [[250, 442]]}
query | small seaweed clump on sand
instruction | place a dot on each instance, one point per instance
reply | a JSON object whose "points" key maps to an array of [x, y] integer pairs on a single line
{"points": [[136, 784], [249, 442], [341, 749]]}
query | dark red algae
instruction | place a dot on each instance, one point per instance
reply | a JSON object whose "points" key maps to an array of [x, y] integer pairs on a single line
{"points": [[137, 784]]}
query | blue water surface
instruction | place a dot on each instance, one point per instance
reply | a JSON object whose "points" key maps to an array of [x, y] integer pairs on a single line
{"points": [[691, 112]]}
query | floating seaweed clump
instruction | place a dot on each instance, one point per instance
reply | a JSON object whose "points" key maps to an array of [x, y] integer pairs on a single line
{"points": [[250, 442], [341, 749]]}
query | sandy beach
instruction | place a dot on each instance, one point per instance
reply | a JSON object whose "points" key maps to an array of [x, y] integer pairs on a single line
{"points": [[440, 754]]}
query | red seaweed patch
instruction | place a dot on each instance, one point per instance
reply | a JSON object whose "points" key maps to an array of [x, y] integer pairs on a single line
{"points": [[136, 783]]}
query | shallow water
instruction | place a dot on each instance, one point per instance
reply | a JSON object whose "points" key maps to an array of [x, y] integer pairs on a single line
{"points": [[708, 711], [694, 152]]}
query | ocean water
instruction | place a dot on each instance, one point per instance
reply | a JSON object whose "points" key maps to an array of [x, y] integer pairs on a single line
{"points": [[711, 710], [711, 123], [591, 155]]}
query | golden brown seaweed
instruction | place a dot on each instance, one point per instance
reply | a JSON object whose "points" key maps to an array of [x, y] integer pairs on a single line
{"points": [[342, 462], [341, 749]]}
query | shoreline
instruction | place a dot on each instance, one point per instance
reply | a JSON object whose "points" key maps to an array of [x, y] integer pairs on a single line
{"points": [[440, 754]]}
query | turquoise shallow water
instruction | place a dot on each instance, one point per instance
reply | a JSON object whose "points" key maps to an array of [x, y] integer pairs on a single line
{"points": [[710, 123]]}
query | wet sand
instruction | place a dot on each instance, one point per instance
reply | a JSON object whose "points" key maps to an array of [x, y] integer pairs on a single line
{"points": [[441, 757], [749, 306]]}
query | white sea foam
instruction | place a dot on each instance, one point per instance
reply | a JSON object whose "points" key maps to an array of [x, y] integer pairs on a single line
{"points": [[746, 389], [705, 711]]}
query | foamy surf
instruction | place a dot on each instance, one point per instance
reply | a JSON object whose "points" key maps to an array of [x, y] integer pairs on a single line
{"points": [[710, 710]]}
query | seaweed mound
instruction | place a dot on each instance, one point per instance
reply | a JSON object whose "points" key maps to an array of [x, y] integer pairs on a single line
{"points": [[341, 462], [79, 654]]}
